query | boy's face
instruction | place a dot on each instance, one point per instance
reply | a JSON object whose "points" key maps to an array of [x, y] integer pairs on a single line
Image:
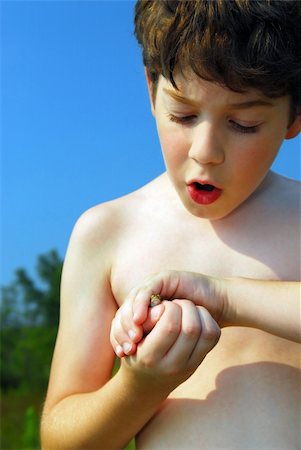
{"points": [[218, 145]]}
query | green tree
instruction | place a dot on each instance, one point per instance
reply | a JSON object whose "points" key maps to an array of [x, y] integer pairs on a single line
{"points": [[30, 314], [29, 321]]}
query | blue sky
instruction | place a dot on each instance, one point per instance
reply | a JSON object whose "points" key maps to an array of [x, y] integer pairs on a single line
{"points": [[76, 124]]}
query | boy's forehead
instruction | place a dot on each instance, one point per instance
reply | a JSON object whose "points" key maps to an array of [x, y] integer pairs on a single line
{"points": [[192, 90]]}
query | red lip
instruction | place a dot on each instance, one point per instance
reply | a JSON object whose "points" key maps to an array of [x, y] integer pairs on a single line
{"points": [[203, 195]]}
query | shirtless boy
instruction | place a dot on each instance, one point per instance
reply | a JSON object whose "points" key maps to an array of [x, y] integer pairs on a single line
{"points": [[218, 367]]}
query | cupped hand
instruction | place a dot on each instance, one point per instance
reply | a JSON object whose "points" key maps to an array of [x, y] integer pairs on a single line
{"points": [[201, 289], [175, 347], [125, 333]]}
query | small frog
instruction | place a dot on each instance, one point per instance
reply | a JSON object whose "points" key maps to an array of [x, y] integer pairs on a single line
{"points": [[155, 299]]}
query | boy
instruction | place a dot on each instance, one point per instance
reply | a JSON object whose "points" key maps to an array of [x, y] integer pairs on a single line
{"points": [[220, 230]]}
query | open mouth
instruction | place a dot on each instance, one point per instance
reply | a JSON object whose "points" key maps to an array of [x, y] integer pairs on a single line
{"points": [[203, 194], [204, 187]]}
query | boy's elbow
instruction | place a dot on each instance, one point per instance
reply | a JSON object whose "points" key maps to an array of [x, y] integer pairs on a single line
{"points": [[55, 434], [48, 433], [52, 436]]}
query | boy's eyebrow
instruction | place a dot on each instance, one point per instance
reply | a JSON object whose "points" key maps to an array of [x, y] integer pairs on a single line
{"points": [[179, 98], [250, 104], [240, 105]]}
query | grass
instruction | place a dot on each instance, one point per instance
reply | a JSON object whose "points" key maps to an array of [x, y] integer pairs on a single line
{"points": [[19, 411]]}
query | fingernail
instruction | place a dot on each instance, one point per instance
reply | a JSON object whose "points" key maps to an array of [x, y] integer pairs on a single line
{"points": [[127, 347], [119, 351], [132, 334]]}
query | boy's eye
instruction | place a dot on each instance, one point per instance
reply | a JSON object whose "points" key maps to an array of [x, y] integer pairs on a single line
{"points": [[237, 127], [184, 120], [242, 128]]}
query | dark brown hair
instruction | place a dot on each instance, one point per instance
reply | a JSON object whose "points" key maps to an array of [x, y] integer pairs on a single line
{"points": [[238, 43]]}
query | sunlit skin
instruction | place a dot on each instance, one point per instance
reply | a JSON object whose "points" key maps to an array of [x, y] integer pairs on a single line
{"points": [[228, 139], [202, 378]]}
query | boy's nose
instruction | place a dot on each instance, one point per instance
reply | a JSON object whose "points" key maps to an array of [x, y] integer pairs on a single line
{"points": [[206, 146]]}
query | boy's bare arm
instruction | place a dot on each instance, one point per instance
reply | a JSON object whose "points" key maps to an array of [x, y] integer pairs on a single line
{"points": [[104, 419], [85, 408], [272, 306]]}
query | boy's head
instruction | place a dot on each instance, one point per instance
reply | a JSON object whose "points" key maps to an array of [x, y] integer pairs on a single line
{"points": [[240, 44], [224, 79]]}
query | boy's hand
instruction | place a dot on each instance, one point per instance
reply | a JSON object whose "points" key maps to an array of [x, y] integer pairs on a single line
{"points": [[174, 348], [135, 317], [201, 289], [125, 334]]}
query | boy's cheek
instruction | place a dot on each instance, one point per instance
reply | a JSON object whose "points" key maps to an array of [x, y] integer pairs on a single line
{"points": [[175, 149]]}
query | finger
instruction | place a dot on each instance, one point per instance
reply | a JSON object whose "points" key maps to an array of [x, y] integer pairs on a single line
{"points": [[116, 347], [209, 337], [119, 337], [141, 305], [115, 344], [153, 317], [161, 338], [141, 297], [127, 327], [139, 310], [191, 329]]}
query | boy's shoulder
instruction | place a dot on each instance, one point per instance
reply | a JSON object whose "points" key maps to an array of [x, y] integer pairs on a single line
{"points": [[292, 186], [283, 195], [109, 220], [274, 211], [272, 221], [278, 196]]}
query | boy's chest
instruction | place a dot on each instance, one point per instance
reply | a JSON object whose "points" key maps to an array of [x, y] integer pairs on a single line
{"points": [[247, 365], [203, 250]]}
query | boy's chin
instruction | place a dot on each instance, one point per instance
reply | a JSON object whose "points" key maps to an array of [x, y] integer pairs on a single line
{"points": [[209, 215], [212, 212]]}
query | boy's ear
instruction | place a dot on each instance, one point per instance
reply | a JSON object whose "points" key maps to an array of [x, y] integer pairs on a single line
{"points": [[295, 128], [150, 91]]}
